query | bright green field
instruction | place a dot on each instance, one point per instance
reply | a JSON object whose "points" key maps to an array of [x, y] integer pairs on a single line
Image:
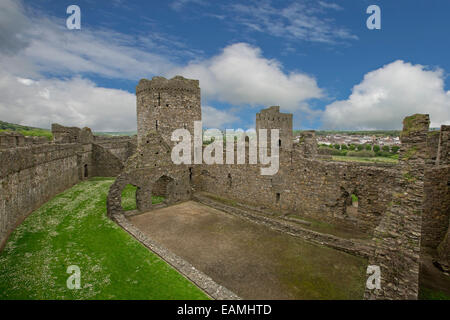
{"points": [[72, 229]]}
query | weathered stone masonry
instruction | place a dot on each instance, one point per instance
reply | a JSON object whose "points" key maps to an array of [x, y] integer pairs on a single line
{"points": [[396, 203], [403, 207], [31, 176], [34, 170]]}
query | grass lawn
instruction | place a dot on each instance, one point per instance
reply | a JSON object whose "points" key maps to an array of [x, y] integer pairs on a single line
{"points": [[430, 294], [72, 229], [363, 159]]}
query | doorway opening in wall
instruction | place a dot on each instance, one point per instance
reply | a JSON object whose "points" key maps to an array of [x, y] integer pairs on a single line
{"points": [[351, 207], [129, 197], [278, 197], [230, 180], [279, 142], [86, 171], [161, 189]]}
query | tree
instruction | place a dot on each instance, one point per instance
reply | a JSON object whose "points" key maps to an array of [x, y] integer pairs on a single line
{"points": [[344, 147], [359, 147], [376, 148], [337, 146], [352, 147], [386, 149], [368, 147], [395, 149]]}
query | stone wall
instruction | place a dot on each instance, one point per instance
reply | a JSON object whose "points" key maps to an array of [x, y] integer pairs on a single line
{"points": [[436, 215], [33, 176], [313, 188], [62, 134], [105, 163], [390, 198], [443, 157], [307, 144], [34, 170], [444, 251], [15, 139], [120, 147], [437, 206], [398, 236]]}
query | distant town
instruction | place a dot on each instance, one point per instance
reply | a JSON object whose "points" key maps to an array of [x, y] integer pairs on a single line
{"points": [[338, 138]]}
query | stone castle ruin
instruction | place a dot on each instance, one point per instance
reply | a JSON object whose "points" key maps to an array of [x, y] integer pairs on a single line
{"points": [[402, 208]]}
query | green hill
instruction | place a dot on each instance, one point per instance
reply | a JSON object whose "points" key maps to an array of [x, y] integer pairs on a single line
{"points": [[25, 130]]}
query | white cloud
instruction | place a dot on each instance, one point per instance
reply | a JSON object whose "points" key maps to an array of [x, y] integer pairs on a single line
{"points": [[53, 48], [387, 95], [177, 5], [241, 75], [33, 45], [72, 102], [215, 118], [300, 20], [330, 5]]}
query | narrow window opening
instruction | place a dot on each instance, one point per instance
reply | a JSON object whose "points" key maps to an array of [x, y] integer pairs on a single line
{"points": [[354, 200]]}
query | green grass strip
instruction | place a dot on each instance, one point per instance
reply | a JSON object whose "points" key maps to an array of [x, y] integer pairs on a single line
{"points": [[72, 229]]}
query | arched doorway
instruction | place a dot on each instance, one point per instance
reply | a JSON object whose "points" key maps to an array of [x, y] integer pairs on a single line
{"points": [[162, 189], [128, 197]]}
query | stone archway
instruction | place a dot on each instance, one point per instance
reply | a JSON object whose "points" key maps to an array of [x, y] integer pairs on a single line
{"points": [[173, 185], [164, 187], [114, 200], [161, 186]]}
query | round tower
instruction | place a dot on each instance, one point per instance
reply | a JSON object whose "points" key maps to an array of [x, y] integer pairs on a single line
{"points": [[165, 105]]}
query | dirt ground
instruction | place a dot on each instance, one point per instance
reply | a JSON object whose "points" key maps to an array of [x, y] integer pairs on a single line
{"points": [[252, 260]]}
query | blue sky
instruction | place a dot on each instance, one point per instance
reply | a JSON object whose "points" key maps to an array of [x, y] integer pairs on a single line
{"points": [[316, 59]]}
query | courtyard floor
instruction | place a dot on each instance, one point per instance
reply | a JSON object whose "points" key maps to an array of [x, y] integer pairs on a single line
{"points": [[253, 260]]}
